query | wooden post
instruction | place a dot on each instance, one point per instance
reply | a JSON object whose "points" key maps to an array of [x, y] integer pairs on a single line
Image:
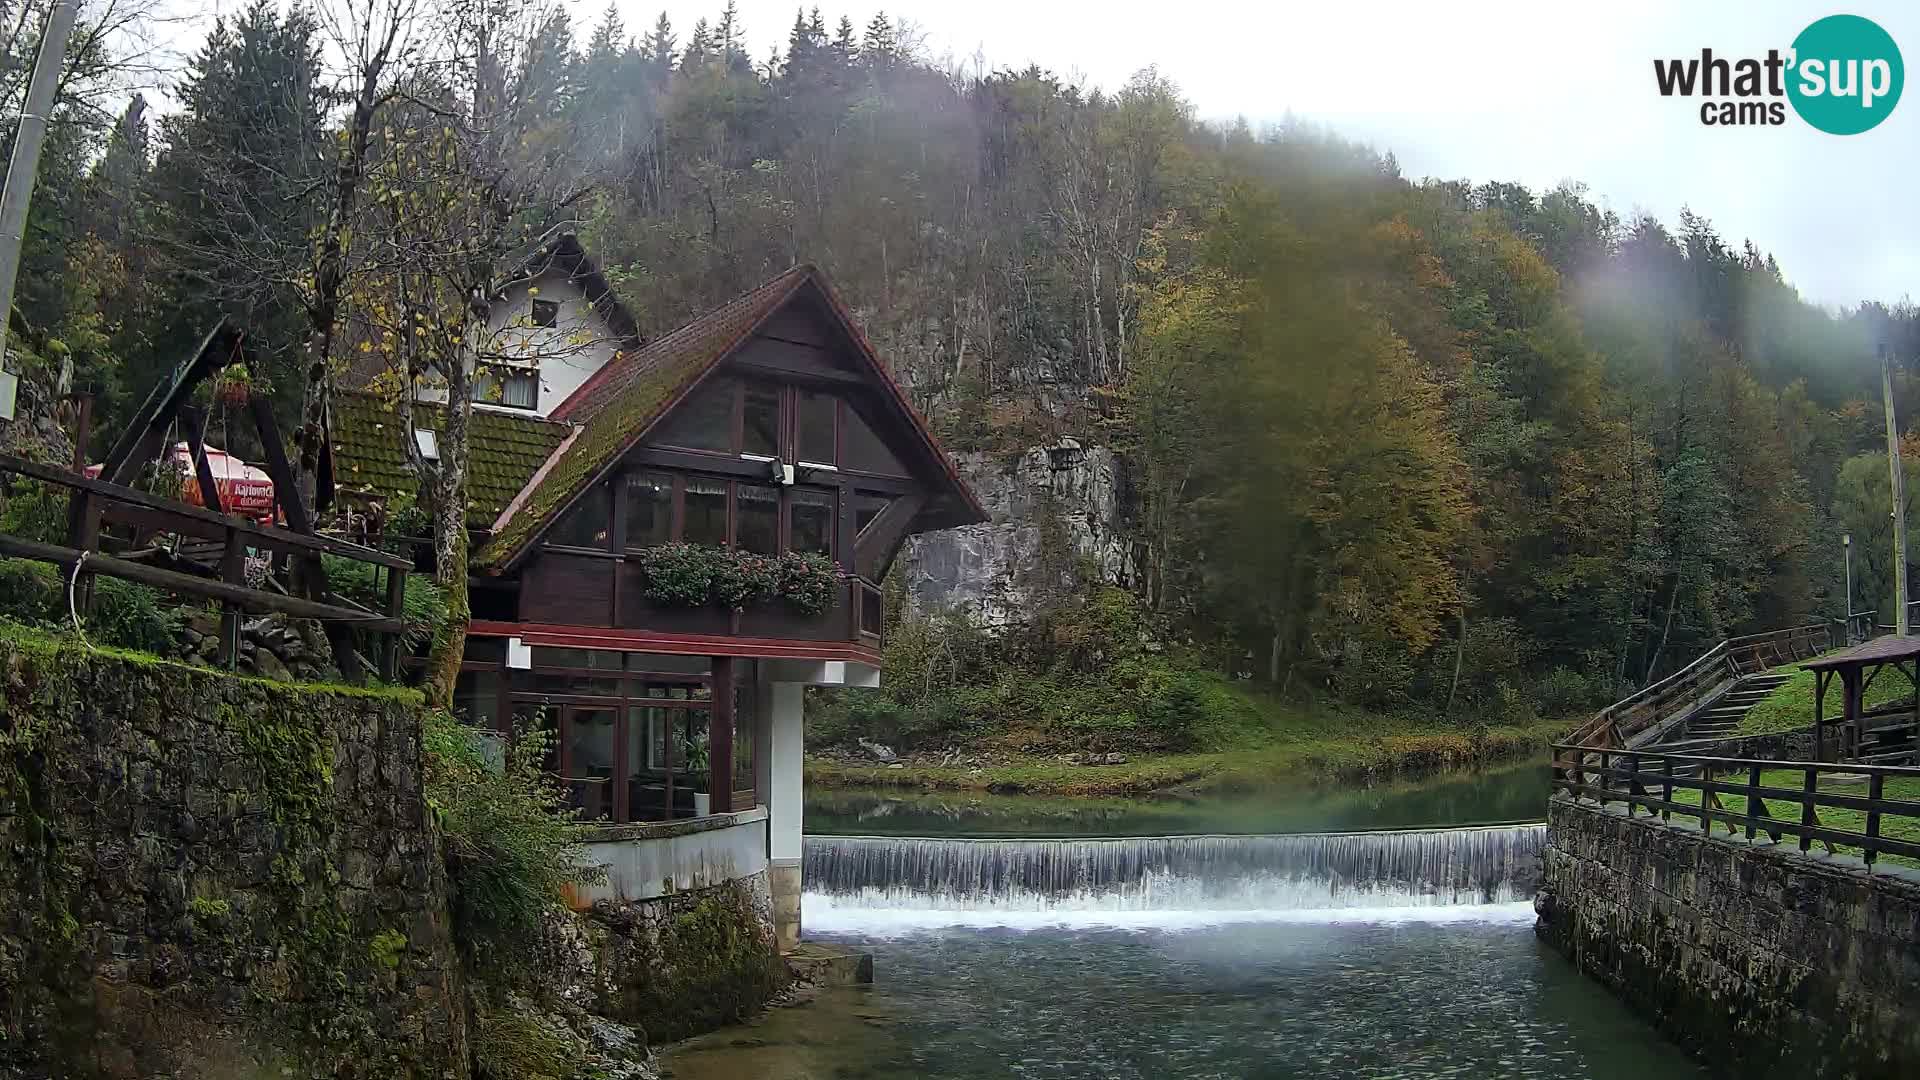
{"points": [[1876, 790], [233, 571], [1820, 714], [194, 419], [720, 738], [1807, 817], [1850, 694], [1754, 805], [396, 608]]}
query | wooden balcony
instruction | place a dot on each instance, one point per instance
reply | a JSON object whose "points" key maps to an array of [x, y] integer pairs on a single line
{"points": [[595, 590]]}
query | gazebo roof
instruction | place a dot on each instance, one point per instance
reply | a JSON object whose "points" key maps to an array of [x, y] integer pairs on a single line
{"points": [[1881, 650]]}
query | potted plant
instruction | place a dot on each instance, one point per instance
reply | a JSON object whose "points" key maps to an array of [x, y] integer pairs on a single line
{"points": [[695, 755], [232, 384]]}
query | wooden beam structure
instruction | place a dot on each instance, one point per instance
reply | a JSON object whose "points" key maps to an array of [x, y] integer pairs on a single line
{"points": [[240, 596]]}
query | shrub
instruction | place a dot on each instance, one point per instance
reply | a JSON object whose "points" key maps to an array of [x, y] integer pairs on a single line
{"points": [[512, 840], [424, 603], [1563, 691], [31, 592], [133, 616], [35, 511]]}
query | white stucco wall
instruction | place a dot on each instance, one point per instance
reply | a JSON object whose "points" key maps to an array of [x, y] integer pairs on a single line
{"points": [[642, 859], [578, 344]]}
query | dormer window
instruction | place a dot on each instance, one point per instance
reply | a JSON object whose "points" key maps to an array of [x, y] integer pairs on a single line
{"points": [[546, 312], [513, 387]]}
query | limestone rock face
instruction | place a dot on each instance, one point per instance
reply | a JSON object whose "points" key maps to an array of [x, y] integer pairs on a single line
{"points": [[1060, 507]]}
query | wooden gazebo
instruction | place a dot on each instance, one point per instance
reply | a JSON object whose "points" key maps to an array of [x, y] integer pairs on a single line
{"points": [[1885, 735]]}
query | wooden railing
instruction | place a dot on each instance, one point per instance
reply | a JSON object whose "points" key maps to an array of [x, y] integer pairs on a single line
{"points": [[1778, 798], [1616, 725], [91, 500]]}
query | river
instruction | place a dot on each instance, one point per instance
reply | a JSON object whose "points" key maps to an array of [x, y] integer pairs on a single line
{"points": [[1400, 950]]}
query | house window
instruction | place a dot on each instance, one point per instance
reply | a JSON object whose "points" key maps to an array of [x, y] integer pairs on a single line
{"points": [[649, 509], [758, 526], [706, 512], [546, 312], [811, 518], [589, 746], [705, 420], [588, 524], [760, 421], [514, 387], [865, 451], [815, 439]]}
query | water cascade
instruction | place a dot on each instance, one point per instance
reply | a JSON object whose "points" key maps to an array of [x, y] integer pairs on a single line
{"points": [[1311, 871]]}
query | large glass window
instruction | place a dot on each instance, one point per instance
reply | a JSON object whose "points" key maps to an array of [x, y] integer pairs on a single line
{"points": [[706, 509], [866, 452], [703, 421], [815, 440], [589, 755], [812, 521], [649, 509], [589, 524], [758, 526], [760, 421], [476, 698]]}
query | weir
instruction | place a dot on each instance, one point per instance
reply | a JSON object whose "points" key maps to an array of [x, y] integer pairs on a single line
{"points": [[1404, 868]]}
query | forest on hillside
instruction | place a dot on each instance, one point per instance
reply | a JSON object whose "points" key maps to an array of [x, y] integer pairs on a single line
{"points": [[1421, 443]]}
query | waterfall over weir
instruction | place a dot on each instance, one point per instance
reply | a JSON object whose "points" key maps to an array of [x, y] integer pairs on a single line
{"points": [[1432, 867]]}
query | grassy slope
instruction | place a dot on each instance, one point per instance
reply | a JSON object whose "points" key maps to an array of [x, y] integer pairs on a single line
{"points": [[1790, 706], [1854, 821], [1264, 741]]}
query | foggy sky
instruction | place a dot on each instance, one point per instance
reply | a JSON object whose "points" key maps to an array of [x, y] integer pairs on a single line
{"points": [[1532, 92]]}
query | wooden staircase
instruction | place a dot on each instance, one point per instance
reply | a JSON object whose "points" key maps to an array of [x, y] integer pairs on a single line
{"points": [[1720, 718]]}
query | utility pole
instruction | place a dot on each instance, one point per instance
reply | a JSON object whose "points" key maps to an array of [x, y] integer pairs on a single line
{"points": [[1899, 496], [25, 165]]}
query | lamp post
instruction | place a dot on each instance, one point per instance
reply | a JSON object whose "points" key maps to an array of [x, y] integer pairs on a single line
{"points": [[1846, 548]]}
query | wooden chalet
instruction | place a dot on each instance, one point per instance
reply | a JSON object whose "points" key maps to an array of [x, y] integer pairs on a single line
{"points": [[767, 427]]}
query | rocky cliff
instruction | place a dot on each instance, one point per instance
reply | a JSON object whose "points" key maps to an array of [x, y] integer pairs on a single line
{"points": [[1059, 517]]}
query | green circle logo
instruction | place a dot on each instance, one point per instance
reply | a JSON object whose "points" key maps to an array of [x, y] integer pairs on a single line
{"points": [[1846, 75]]}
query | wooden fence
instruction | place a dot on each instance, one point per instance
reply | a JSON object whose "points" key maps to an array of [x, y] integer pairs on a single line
{"points": [[1869, 821], [1719, 667], [93, 500]]}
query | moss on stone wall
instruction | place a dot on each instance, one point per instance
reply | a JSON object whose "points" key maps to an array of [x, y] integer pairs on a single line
{"points": [[200, 871], [708, 962]]}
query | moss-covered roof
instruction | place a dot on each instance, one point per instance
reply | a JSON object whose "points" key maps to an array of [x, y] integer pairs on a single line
{"points": [[624, 398], [370, 458]]}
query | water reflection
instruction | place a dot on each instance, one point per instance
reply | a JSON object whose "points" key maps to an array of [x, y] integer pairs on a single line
{"points": [[1517, 793]]}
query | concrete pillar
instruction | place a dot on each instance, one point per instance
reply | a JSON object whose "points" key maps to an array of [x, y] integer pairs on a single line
{"points": [[785, 704]]}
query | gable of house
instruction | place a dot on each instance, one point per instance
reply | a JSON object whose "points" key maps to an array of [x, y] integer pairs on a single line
{"points": [[792, 326]]}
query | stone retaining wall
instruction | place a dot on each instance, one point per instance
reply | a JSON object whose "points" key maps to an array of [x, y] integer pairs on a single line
{"points": [[1763, 961], [204, 875]]}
